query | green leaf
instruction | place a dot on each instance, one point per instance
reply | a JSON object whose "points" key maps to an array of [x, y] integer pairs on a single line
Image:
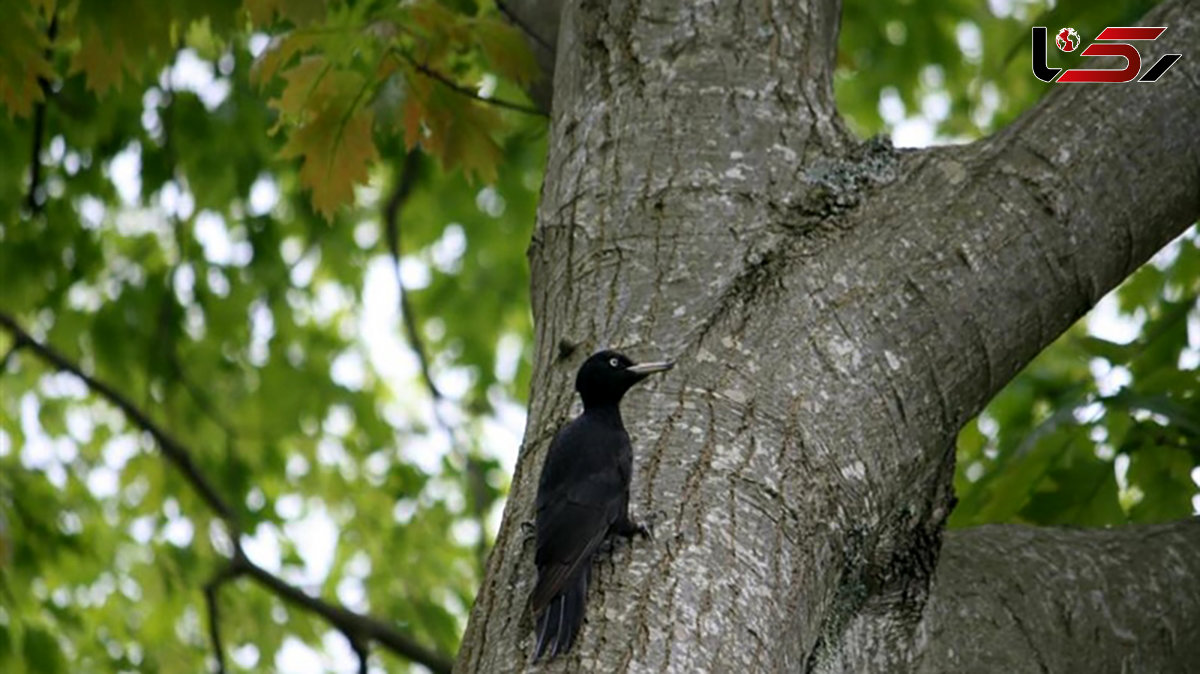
{"points": [[41, 652]]}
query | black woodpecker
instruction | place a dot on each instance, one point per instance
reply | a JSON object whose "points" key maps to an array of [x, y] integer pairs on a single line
{"points": [[583, 497]]}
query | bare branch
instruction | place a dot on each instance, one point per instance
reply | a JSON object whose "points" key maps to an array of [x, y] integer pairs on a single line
{"points": [[391, 218], [175, 452], [363, 652], [476, 487], [464, 91], [214, 616], [357, 627], [39, 127]]}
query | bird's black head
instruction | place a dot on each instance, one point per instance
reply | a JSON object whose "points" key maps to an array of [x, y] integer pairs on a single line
{"points": [[607, 375]]}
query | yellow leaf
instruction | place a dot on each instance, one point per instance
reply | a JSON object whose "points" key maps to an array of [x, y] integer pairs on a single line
{"points": [[338, 150]]}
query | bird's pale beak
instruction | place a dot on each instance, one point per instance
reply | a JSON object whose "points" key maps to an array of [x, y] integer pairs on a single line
{"points": [[651, 368]]}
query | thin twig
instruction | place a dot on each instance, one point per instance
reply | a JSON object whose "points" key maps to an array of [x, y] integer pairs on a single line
{"points": [[214, 612], [476, 486], [363, 652], [39, 126], [460, 89], [391, 220]]}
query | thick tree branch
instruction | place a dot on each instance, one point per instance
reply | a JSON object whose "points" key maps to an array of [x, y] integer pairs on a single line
{"points": [[1009, 598], [837, 313], [359, 629], [1004, 243], [1016, 599]]}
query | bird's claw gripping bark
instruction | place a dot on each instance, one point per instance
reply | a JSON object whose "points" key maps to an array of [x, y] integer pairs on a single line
{"points": [[645, 528]]}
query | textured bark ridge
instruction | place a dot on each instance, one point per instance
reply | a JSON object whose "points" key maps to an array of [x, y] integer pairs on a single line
{"points": [[838, 310]]}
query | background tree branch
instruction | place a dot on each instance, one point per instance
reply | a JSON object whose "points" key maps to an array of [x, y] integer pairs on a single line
{"points": [[475, 479], [358, 628], [34, 200]]}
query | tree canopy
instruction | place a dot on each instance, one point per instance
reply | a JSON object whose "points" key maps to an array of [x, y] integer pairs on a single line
{"points": [[265, 331]]}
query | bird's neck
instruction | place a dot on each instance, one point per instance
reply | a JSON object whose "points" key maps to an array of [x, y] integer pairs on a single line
{"points": [[609, 413]]}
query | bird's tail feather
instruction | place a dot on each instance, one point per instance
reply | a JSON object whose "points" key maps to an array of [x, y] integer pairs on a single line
{"points": [[559, 623]]}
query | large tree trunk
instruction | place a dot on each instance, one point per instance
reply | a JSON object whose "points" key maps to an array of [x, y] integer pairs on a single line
{"points": [[838, 309]]}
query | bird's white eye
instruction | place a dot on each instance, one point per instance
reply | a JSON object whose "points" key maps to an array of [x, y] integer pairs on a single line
{"points": [[614, 362]]}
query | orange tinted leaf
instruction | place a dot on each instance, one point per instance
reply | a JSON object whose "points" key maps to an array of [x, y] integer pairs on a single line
{"points": [[301, 81], [412, 123], [338, 151], [471, 148], [460, 133], [313, 84]]}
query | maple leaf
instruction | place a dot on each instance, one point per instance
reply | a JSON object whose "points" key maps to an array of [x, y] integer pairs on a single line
{"points": [[277, 55], [314, 84], [120, 39], [22, 62], [102, 64], [301, 81], [460, 134], [338, 149], [506, 50]]}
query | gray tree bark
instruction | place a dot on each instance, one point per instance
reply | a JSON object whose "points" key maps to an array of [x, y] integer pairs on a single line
{"points": [[838, 310]]}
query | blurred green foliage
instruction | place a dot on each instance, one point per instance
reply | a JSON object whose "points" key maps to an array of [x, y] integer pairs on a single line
{"points": [[176, 250]]}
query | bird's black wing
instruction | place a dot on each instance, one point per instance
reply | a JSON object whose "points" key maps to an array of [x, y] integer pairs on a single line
{"points": [[580, 495], [570, 528]]}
